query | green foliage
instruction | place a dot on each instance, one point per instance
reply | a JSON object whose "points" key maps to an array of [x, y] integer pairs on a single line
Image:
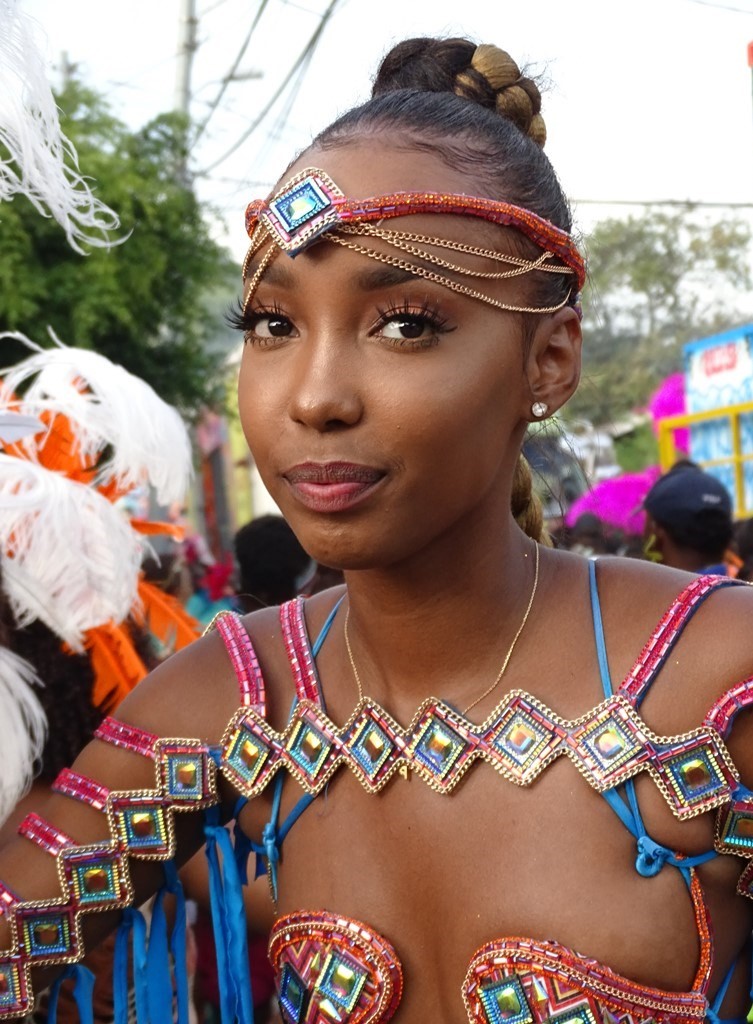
{"points": [[637, 449], [655, 282], [142, 303]]}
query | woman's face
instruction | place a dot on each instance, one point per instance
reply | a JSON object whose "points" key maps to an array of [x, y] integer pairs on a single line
{"points": [[383, 411]]}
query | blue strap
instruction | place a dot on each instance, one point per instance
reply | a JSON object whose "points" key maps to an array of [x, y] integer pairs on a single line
{"points": [[241, 843], [601, 646], [229, 923], [159, 987], [268, 851], [712, 1014], [132, 925], [651, 856], [305, 801], [178, 938], [83, 991], [326, 628]]}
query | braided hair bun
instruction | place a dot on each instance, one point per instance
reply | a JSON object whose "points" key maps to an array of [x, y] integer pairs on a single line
{"points": [[482, 74]]}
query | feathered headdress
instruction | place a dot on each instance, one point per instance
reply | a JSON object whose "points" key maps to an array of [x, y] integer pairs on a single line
{"points": [[77, 433], [36, 158]]}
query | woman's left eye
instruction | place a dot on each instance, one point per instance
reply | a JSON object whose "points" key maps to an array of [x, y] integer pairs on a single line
{"points": [[407, 329]]}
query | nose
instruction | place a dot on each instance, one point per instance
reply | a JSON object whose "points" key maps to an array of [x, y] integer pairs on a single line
{"points": [[325, 394]]}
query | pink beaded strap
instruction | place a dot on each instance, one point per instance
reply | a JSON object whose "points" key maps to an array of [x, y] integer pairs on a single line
{"points": [[45, 835], [297, 645], [8, 898], [79, 787], [723, 711], [129, 737], [638, 680], [245, 663]]}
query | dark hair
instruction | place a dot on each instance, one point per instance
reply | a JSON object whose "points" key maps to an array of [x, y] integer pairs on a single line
{"points": [[65, 695], [709, 534], [271, 561], [471, 107]]}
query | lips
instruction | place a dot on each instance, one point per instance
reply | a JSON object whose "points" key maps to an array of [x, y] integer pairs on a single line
{"points": [[332, 486]]}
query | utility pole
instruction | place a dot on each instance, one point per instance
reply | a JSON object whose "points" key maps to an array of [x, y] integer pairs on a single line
{"points": [[750, 59], [186, 49]]}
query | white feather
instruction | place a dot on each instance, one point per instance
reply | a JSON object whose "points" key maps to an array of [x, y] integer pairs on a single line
{"points": [[42, 163], [14, 426], [146, 438], [69, 557], [23, 728]]}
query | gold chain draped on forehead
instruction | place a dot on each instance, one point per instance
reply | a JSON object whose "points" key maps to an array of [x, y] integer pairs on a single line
{"points": [[310, 207]]}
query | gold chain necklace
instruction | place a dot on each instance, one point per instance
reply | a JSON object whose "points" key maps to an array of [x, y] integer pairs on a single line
{"points": [[505, 663]]}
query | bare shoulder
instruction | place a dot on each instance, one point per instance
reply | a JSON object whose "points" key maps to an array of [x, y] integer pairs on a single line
{"points": [[195, 693], [713, 654], [718, 626]]}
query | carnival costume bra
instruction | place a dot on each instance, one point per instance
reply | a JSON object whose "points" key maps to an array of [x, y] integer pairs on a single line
{"points": [[331, 968]]}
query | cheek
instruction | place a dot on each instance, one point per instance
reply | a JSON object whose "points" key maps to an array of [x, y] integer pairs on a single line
{"points": [[256, 402]]}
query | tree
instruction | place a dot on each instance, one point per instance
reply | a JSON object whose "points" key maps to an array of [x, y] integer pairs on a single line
{"points": [[142, 303], [655, 282]]}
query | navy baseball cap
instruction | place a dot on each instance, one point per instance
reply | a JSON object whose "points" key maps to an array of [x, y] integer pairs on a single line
{"points": [[688, 497]]}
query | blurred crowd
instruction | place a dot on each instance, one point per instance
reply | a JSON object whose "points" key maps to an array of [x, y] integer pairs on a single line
{"points": [[688, 523]]}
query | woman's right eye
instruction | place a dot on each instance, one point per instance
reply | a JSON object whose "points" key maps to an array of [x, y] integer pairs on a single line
{"points": [[270, 325], [266, 327]]}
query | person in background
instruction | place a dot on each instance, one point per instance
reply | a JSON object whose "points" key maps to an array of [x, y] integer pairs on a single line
{"points": [[588, 536], [272, 565], [689, 522]]}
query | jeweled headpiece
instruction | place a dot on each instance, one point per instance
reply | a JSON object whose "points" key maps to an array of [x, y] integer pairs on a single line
{"points": [[310, 207]]}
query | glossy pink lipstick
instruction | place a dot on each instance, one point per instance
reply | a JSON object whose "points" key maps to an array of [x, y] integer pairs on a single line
{"points": [[332, 486]]}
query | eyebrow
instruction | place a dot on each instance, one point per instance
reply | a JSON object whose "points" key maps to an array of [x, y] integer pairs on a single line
{"points": [[383, 277], [367, 280]]}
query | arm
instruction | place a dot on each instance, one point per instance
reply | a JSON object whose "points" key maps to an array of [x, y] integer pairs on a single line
{"points": [[121, 812]]}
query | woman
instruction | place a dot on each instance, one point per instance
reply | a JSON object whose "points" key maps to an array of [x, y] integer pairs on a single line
{"points": [[390, 371]]}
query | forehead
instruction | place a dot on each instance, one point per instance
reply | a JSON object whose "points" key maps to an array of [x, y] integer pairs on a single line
{"points": [[375, 165]]}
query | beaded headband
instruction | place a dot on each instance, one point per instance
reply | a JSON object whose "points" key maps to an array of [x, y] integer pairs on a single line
{"points": [[311, 207]]}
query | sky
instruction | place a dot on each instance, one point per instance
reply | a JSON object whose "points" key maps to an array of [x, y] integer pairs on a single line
{"points": [[645, 100]]}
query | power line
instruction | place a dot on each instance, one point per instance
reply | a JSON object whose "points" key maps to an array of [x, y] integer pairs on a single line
{"points": [[305, 54], [722, 7], [231, 73], [687, 203]]}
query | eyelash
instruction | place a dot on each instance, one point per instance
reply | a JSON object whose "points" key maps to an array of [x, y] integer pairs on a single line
{"points": [[240, 318], [426, 313]]}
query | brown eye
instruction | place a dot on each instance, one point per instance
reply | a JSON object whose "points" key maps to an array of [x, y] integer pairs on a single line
{"points": [[409, 328], [271, 325]]}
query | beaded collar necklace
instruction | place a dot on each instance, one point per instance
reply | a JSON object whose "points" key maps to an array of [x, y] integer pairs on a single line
{"points": [[310, 207]]}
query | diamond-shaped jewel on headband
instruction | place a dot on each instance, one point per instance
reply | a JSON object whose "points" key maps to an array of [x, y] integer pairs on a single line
{"points": [[303, 210]]}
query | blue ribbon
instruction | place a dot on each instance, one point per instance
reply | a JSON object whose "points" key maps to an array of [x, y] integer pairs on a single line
{"points": [[159, 985], [178, 943], [83, 991], [229, 923], [133, 924]]}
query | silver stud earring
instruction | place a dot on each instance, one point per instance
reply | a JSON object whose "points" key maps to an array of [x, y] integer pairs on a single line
{"points": [[539, 409]]}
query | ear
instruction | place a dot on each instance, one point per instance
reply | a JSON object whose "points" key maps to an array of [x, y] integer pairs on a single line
{"points": [[553, 361]]}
